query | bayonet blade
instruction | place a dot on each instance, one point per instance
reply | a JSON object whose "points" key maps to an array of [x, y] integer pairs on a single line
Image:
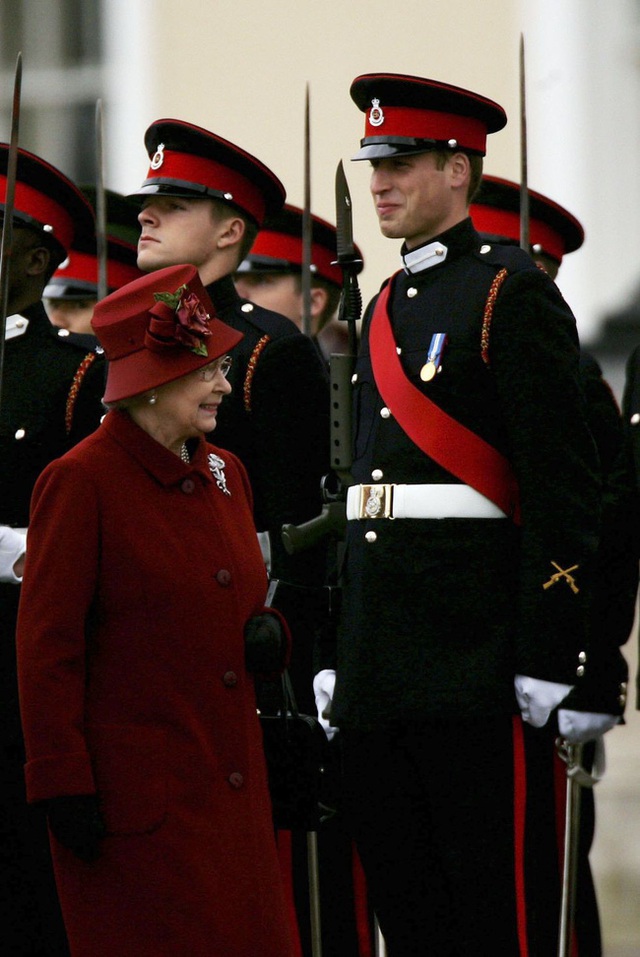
{"points": [[344, 218], [7, 224], [524, 185], [306, 225], [101, 207]]}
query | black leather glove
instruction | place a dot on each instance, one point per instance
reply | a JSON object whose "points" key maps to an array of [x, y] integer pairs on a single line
{"points": [[76, 822], [266, 644]]}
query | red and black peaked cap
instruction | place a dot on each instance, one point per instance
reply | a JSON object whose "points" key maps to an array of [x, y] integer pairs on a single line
{"points": [[278, 247], [410, 114], [45, 199], [495, 212], [189, 161]]}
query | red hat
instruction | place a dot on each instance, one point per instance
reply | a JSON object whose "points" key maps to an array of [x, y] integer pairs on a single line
{"points": [[45, 199], [409, 114], [189, 161], [278, 247], [158, 328], [495, 211]]}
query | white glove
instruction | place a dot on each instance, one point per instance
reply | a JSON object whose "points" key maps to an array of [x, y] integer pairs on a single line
{"points": [[323, 687], [12, 547], [580, 726], [538, 698]]}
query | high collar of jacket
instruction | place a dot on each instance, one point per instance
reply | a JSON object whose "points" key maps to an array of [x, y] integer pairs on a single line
{"points": [[166, 467], [223, 294], [458, 241]]}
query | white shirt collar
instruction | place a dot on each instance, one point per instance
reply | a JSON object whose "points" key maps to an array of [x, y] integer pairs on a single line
{"points": [[16, 326]]}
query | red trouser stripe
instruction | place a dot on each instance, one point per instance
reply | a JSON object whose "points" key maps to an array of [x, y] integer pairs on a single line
{"points": [[361, 906], [519, 820]]}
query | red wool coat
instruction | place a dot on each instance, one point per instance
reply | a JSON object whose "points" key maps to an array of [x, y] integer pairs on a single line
{"points": [[141, 574]]}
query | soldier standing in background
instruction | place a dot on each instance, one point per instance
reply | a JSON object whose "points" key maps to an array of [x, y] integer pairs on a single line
{"points": [[271, 276], [553, 233], [51, 398], [472, 532]]}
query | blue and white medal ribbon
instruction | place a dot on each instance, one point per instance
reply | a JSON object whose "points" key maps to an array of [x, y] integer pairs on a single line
{"points": [[434, 356]]}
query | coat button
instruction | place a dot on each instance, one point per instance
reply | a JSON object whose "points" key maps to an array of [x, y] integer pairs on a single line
{"points": [[385, 413], [376, 475], [635, 418], [223, 577], [411, 292], [370, 537], [247, 307], [236, 780], [230, 679], [188, 486], [20, 434], [580, 671]]}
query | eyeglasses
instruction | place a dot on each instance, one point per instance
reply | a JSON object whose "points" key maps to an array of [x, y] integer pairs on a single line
{"points": [[221, 366]]}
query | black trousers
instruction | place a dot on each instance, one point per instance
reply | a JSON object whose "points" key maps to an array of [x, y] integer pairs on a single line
{"points": [[457, 826]]}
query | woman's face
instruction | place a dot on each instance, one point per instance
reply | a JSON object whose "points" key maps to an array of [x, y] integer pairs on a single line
{"points": [[188, 406]]}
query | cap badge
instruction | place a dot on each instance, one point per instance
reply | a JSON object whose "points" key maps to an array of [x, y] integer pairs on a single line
{"points": [[376, 116], [158, 157]]}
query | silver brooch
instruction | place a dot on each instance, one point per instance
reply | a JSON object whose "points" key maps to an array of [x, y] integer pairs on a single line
{"points": [[376, 116], [216, 464], [158, 157]]}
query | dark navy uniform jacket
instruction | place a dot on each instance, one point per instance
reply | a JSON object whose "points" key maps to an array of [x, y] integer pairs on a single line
{"points": [[631, 416], [42, 415], [439, 615], [275, 419]]}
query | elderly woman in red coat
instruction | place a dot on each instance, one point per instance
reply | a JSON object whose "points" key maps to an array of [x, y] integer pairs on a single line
{"points": [[144, 576]]}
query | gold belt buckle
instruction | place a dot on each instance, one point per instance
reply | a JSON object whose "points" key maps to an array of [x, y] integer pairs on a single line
{"points": [[376, 501]]}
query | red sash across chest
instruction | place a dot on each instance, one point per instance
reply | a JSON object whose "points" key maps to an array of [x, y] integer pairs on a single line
{"points": [[451, 444]]}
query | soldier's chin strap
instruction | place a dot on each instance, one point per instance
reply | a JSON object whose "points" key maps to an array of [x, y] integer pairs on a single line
{"points": [[571, 754]]}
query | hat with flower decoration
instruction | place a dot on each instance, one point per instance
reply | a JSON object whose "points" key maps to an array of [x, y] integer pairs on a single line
{"points": [[410, 114], [158, 328], [189, 161]]}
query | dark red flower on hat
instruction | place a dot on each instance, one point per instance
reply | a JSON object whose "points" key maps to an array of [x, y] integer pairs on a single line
{"points": [[178, 318]]}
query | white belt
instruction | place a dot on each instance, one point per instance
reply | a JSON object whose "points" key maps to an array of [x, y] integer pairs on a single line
{"points": [[419, 501]]}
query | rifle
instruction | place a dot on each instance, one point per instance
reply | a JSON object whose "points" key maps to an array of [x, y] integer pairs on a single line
{"points": [[332, 518], [101, 207], [7, 224]]}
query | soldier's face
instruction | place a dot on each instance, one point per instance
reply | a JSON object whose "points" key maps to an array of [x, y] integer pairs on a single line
{"points": [[413, 198], [176, 230]]}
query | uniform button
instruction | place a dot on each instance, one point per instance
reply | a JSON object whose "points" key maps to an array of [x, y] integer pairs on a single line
{"points": [[236, 780], [635, 418], [223, 577], [246, 307], [399, 350], [370, 537], [20, 434], [582, 657], [187, 486], [230, 679], [580, 671], [411, 292], [63, 332], [99, 350], [20, 323], [377, 474], [354, 378], [484, 249], [385, 413]]}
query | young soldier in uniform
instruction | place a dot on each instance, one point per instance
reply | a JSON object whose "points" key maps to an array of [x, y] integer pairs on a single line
{"points": [[52, 388], [204, 200], [471, 538], [271, 276], [554, 232]]}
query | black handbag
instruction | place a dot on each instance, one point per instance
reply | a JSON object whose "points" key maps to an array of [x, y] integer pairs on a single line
{"points": [[295, 747]]}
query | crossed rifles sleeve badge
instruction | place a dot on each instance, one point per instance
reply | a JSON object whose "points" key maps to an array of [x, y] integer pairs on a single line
{"points": [[563, 573]]}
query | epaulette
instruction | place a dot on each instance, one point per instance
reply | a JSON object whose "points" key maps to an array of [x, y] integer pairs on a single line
{"points": [[508, 260]]}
